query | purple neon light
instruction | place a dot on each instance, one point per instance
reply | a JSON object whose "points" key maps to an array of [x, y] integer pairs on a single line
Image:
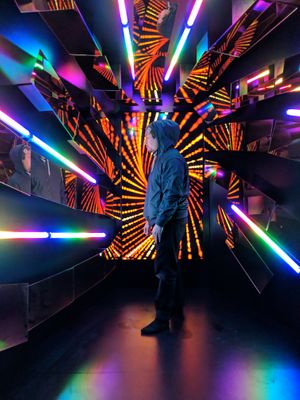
{"points": [[32, 138], [50, 235], [194, 13], [261, 6], [13, 124], [294, 112], [76, 235], [123, 13], [23, 235]]}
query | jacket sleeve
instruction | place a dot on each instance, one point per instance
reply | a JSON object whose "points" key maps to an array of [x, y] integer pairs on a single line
{"points": [[172, 189]]}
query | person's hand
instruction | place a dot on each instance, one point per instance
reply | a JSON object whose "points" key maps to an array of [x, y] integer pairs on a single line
{"points": [[156, 233], [147, 228]]}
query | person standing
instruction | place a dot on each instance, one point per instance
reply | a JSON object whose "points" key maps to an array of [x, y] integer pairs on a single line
{"points": [[21, 178], [166, 214]]}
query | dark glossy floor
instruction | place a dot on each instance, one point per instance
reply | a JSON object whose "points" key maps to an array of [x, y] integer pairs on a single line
{"points": [[226, 350]]}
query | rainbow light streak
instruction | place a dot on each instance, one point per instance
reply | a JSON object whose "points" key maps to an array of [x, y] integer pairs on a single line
{"points": [[184, 36], [23, 235], [129, 49], [293, 112], [123, 13], [194, 13], [51, 235], [24, 132], [261, 75], [128, 43], [13, 124], [178, 50], [63, 159], [267, 239], [76, 235]]}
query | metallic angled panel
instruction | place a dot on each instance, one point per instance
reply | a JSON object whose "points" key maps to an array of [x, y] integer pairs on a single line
{"points": [[259, 20]]}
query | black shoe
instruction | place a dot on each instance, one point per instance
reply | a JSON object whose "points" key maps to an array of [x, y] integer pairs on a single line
{"points": [[155, 326]]}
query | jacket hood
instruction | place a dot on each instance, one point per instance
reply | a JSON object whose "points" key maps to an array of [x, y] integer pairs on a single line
{"points": [[167, 133], [16, 155]]}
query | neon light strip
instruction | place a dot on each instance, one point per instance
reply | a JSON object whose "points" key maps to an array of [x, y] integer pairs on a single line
{"points": [[129, 49], [285, 87], [293, 112], [261, 75], [63, 159], [32, 138], [14, 125], [184, 36], [76, 235], [24, 235], [176, 55], [194, 13], [38, 65], [128, 43], [51, 235], [123, 13], [267, 239]]}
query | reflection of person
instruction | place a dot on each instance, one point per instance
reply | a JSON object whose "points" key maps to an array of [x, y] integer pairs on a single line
{"points": [[166, 19], [166, 213], [47, 180], [21, 178]]}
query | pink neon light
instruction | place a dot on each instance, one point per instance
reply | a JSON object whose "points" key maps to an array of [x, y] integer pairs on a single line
{"points": [[23, 235], [50, 235], [285, 87], [194, 13]]}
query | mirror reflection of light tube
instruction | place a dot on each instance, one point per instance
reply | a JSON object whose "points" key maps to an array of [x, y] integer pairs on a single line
{"points": [[183, 38], [34, 139], [127, 37], [282, 254]]}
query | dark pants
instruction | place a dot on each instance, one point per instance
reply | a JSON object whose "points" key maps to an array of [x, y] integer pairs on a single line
{"points": [[169, 296]]}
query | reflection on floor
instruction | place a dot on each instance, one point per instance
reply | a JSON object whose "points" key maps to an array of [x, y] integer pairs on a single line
{"points": [[224, 351]]}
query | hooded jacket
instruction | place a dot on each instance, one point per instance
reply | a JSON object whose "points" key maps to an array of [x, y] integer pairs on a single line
{"points": [[168, 183], [47, 180], [20, 179]]}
